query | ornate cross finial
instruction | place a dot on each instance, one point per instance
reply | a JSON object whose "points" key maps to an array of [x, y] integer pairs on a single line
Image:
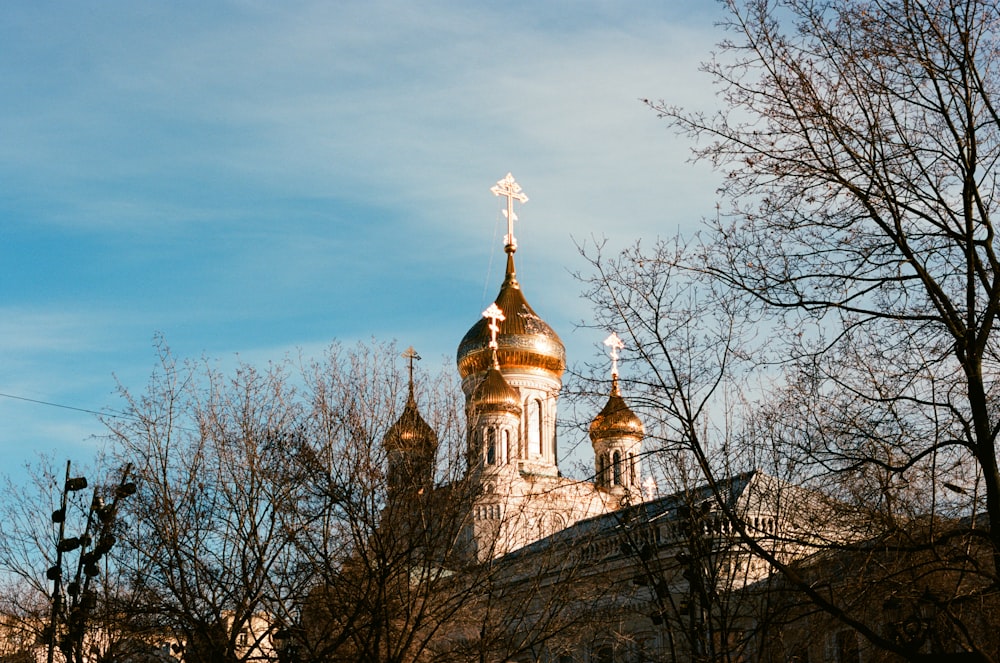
{"points": [[510, 189], [412, 355], [615, 344], [495, 316]]}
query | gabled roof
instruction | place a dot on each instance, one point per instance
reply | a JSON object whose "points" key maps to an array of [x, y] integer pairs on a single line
{"points": [[748, 494]]}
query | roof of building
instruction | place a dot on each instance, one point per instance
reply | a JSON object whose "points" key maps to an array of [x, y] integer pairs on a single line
{"points": [[741, 493], [494, 392]]}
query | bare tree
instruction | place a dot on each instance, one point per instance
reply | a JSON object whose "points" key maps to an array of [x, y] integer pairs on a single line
{"points": [[208, 550], [859, 143], [317, 513], [28, 542], [378, 543], [58, 578], [396, 577]]}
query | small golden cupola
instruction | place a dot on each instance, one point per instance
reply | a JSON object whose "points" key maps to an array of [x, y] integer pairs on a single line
{"points": [[494, 412], [494, 393], [616, 418], [411, 445], [616, 434], [525, 351]]}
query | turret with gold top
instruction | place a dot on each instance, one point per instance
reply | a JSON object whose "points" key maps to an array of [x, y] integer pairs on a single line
{"points": [[494, 413], [616, 434], [411, 446], [529, 355]]}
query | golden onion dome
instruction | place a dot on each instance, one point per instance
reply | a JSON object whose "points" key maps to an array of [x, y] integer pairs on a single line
{"points": [[525, 341], [616, 419], [495, 393], [411, 433]]}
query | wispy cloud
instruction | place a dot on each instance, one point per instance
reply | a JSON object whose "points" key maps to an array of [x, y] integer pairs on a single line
{"points": [[254, 177]]}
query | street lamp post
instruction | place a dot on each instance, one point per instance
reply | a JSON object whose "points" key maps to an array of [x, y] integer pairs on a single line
{"points": [[68, 619]]}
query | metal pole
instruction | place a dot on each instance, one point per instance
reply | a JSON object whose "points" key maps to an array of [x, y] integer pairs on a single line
{"points": [[57, 581]]}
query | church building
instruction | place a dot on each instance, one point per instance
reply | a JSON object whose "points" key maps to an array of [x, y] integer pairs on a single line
{"points": [[511, 363], [626, 576]]}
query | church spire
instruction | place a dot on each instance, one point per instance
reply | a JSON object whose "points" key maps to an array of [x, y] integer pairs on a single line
{"points": [[494, 391], [525, 342]]}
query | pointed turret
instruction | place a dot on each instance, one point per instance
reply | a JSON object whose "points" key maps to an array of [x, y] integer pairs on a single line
{"points": [[411, 446], [616, 434], [494, 411], [494, 394]]}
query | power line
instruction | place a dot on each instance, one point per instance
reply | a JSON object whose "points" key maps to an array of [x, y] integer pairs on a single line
{"points": [[120, 415]]}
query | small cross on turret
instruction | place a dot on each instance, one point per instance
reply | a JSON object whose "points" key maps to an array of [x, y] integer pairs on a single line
{"points": [[495, 316], [614, 344], [411, 355]]}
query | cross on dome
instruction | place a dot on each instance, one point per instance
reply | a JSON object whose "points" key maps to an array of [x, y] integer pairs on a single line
{"points": [[411, 355], [495, 316], [614, 344], [511, 190]]}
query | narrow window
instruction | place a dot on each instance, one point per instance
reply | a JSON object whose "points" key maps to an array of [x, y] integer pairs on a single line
{"points": [[538, 424], [505, 446], [533, 427], [631, 468], [491, 446], [618, 468]]}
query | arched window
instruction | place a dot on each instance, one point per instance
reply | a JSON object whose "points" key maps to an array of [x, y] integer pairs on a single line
{"points": [[631, 469], [617, 462], [491, 446], [600, 470], [533, 427], [505, 455], [538, 425]]}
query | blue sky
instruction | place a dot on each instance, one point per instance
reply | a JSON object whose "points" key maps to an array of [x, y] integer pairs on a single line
{"points": [[255, 178]]}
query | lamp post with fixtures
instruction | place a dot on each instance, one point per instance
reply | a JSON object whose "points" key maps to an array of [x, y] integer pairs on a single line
{"points": [[70, 611]]}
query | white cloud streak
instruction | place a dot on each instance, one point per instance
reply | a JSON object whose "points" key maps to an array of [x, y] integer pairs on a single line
{"points": [[271, 176]]}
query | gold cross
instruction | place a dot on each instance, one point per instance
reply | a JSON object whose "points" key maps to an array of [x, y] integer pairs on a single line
{"points": [[411, 354], [495, 316], [511, 190], [615, 344]]}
